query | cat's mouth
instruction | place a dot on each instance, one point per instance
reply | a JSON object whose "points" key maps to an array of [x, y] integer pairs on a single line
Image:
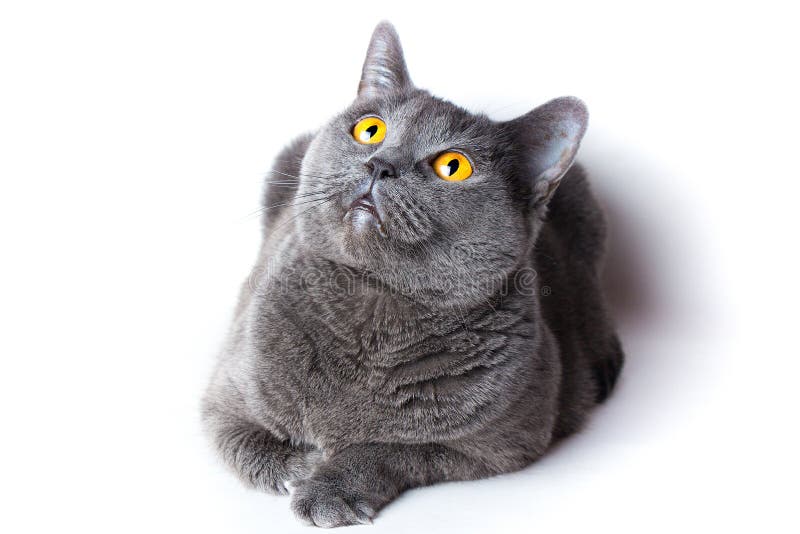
{"points": [[366, 203], [364, 213]]}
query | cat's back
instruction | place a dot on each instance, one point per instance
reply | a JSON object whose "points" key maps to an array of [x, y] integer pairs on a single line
{"points": [[568, 259], [575, 218]]}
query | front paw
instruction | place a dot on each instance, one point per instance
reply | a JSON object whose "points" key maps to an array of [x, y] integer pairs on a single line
{"points": [[274, 476], [330, 503]]}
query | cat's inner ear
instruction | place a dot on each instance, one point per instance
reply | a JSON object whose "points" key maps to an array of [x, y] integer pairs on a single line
{"points": [[384, 68], [550, 136]]}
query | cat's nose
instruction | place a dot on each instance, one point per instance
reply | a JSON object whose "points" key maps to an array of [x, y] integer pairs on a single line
{"points": [[379, 168]]}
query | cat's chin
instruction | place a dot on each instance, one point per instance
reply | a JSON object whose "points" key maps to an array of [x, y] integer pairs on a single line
{"points": [[364, 222]]}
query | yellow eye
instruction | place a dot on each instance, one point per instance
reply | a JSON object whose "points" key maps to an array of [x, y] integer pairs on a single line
{"points": [[369, 131], [452, 166]]}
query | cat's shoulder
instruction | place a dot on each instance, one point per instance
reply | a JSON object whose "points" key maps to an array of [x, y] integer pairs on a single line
{"points": [[283, 178], [290, 158]]}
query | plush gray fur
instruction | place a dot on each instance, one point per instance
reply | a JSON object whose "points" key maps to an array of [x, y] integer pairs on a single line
{"points": [[454, 333]]}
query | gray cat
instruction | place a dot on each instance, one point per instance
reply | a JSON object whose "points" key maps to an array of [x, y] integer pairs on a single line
{"points": [[426, 304]]}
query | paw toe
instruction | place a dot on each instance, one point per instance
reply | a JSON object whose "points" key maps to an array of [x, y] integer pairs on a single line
{"points": [[364, 512], [327, 509]]}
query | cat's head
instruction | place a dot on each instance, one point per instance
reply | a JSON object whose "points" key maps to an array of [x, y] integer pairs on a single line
{"points": [[435, 201]]}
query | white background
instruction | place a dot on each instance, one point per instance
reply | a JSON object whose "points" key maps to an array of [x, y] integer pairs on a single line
{"points": [[134, 137]]}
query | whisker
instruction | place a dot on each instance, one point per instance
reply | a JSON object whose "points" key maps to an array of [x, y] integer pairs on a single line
{"points": [[265, 209], [305, 174], [303, 198], [320, 203]]}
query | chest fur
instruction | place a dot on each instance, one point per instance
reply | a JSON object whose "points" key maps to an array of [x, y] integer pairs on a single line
{"points": [[372, 367]]}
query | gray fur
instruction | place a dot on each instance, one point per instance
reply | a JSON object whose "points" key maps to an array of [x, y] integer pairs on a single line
{"points": [[366, 359]]}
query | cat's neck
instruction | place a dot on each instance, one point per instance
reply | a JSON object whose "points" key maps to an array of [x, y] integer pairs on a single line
{"points": [[358, 296]]}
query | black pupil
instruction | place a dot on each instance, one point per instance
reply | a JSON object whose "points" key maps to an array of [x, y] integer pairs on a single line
{"points": [[372, 130], [453, 166]]}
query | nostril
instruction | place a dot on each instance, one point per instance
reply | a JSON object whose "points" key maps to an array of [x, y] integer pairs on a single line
{"points": [[380, 169]]}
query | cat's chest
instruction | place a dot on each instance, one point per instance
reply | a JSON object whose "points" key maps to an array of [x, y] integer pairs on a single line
{"points": [[378, 371]]}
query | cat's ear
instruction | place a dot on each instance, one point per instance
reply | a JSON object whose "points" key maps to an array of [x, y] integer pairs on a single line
{"points": [[550, 136], [384, 68]]}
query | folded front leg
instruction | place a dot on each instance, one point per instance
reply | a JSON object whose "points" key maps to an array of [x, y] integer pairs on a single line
{"points": [[259, 458], [356, 482]]}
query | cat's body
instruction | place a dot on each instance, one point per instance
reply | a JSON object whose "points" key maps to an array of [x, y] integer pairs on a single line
{"points": [[357, 380]]}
